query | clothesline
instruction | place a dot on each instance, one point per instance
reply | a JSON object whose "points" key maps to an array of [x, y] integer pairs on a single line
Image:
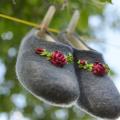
{"points": [[35, 25], [26, 22]]}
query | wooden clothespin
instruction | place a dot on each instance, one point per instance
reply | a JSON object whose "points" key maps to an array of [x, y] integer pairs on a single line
{"points": [[46, 21], [74, 40]]}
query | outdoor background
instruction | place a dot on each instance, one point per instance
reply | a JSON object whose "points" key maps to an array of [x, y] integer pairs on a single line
{"points": [[99, 26]]}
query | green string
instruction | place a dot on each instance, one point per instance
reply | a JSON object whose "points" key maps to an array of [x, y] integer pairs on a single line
{"points": [[27, 23]]}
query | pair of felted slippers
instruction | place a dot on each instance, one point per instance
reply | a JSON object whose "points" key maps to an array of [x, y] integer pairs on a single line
{"points": [[51, 70]]}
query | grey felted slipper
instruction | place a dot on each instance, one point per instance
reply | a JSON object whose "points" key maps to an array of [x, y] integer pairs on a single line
{"points": [[98, 94], [43, 74], [63, 38]]}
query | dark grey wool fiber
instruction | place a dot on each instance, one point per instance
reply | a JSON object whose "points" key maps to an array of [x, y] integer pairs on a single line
{"points": [[55, 85], [99, 96]]}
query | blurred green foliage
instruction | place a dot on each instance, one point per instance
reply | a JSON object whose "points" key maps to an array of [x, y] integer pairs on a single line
{"points": [[34, 10]]}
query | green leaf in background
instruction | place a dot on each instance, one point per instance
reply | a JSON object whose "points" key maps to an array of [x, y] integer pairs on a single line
{"points": [[110, 1]]}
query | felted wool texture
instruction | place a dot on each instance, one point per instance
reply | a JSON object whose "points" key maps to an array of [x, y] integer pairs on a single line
{"points": [[72, 39], [98, 95], [55, 85], [63, 38]]}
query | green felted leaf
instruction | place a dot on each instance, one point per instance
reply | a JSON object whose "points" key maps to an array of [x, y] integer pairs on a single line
{"points": [[69, 58], [78, 62]]}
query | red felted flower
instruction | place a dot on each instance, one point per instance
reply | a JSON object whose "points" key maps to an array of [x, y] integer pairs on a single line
{"points": [[82, 62], [39, 50], [58, 59], [99, 69]]}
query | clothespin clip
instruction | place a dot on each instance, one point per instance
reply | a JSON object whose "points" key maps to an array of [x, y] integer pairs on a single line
{"points": [[46, 21], [74, 40]]}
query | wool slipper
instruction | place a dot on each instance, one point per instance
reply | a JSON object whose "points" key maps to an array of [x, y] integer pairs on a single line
{"points": [[63, 38], [43, 69], [99, 96]]}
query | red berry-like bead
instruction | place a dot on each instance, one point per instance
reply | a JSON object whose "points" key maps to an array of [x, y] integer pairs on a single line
{"points": [[58, 59], [82, 62], [98, 69], [39, 50]]}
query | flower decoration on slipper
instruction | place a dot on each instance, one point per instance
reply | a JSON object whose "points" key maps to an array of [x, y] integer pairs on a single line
{"points": [[39, 50], [96, 68], [57, 58]]}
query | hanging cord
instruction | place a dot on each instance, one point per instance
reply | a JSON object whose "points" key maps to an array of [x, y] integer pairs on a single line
{"points": [[27, 23], [32, 24]]}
